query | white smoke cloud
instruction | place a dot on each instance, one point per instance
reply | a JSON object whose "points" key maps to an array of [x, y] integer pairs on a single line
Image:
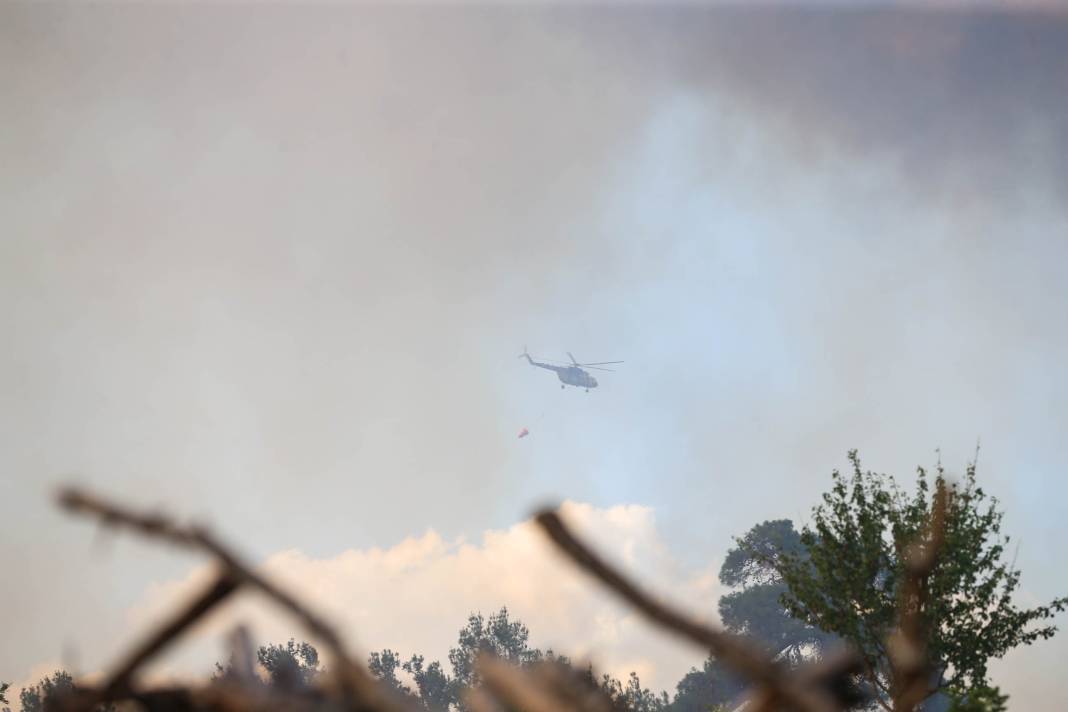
{"points": [[415, 595]]}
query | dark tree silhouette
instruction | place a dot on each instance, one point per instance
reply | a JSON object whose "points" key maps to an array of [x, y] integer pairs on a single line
{"points": [[755, 608], [290, 665], [35, 697]]}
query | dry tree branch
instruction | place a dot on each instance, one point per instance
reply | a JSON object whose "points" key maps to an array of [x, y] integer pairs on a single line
{"points": [[822, 687], [911, 669], [211, 698], [358, 688], [519, 690], [478, 700], [161, 527], [543, 687], [576, 689], [118, 684], [770, 678]]}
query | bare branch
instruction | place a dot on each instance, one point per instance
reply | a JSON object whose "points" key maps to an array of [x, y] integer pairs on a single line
{"points": [[519, 690], [911, 669], [118, 684], [818, 687], [357, 687]]}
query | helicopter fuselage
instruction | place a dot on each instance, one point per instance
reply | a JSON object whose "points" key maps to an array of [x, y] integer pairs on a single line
{"points": [[575, 376]]}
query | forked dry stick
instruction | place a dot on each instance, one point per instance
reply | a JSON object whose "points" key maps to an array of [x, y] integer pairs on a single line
{"points": [[774, 684], [158, 526], [357, 686], [119, 682]]}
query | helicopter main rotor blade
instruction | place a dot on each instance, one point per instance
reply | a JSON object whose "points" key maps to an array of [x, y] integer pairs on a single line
{"points": [[599, 363], [598, 368]]}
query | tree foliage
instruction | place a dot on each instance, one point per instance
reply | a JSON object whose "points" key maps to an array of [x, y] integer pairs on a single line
{"points": [[632, 697], [384, 667], [435, 688], [847, 581], [710, 688], [290, 665], [35, 697], [979, 698], [755, 607], [502, 636], [38, 698], [499, 636]]}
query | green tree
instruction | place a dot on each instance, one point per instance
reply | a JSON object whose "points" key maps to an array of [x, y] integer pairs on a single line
{"points": [[290, 665], [848, 580], [978, 699], [436, 689], [509, 640], [632, 697], [384, 666], [499, 636], [710, 688], [35, 697], [755, 607], [3, 689]]}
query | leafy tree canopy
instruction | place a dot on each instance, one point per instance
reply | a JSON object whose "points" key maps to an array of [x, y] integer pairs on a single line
{"points": [[35, 697], [847, 581], [498, 635], [508, 639], [436, 689], [632, 697], [290, 665], [706, 690], [980, 698], [755, 608], [384, 666]]}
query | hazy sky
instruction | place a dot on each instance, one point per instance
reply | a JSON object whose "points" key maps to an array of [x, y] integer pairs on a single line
{"points": [[271, 268]]}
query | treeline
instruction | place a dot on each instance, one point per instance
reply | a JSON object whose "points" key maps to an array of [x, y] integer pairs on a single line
{"points": [[294, 664], [753, 607]]}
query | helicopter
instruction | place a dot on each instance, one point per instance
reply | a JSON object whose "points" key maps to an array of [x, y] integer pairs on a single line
{"points": [[573, 374]]}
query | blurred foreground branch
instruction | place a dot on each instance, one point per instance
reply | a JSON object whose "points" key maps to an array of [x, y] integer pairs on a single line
{"points": [[826, 686]]}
